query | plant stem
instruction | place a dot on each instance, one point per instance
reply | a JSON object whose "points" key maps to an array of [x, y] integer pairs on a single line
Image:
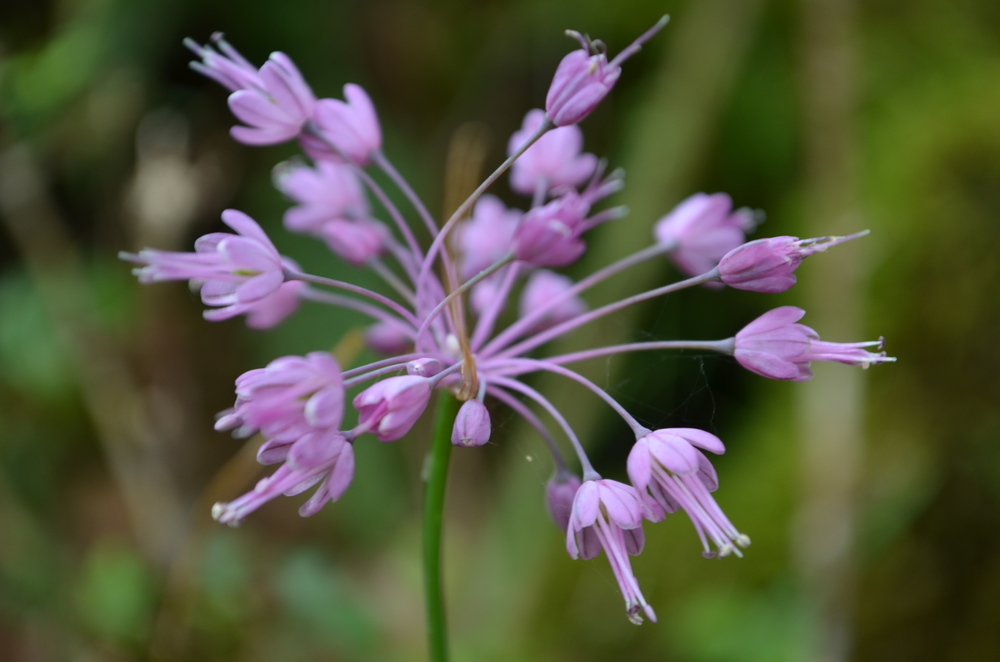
{"points": [[436, 473]]}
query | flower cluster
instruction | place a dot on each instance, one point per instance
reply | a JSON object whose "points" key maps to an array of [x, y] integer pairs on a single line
{"points": [[468, 313]]}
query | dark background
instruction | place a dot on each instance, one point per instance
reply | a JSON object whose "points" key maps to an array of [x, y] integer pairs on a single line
{"points": [[871, 497]]}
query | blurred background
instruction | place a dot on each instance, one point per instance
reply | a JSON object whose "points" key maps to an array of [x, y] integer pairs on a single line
{"points": [[872, 498]]}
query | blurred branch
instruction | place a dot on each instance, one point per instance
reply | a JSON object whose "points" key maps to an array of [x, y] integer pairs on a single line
{"points": [[110, 390]]}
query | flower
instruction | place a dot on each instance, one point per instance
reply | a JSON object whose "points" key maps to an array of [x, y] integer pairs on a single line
{"points": [[666, 467], [292, 396], [553, 162], [608, 515], [702, 229], [775, 346], [584, 77], [275, 101], [325, 192], [323, 457], [768, 265], [486, 237], [545, 286], [235, 272], [549, 236], [559, 496], [344, 129]]}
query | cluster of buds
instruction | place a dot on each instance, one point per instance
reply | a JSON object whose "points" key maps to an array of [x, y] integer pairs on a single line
{"points": [[488, 256]]}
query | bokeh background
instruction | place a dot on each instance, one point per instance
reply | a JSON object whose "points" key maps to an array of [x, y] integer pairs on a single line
{"points": [[872, 498]]}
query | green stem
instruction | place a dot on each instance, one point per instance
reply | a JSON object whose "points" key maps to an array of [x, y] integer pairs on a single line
{"points": [[436, 472]]}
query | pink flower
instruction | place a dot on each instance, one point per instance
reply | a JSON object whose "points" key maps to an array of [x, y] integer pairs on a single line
{"points": [[544, 287], [666, 468], [390, 407], [549, 236], [323, 457], [273, 309], [702, 229], [472, 425], [387, 339], [487, 236], [775, 346], [768, 265], [350, 129], [584, 77], [608, 515], [559, 496], [275, 101], [291, 397], [326, 192], [554, 160], [235, 272]]}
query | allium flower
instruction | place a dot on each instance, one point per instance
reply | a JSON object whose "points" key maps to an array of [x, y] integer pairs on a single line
{"points": [[768, 265], [553, 162], [469, 312], [666, 467], [702, 229], [608, 515], [774, 346], [275, 101], [235, 272], [323, 457], [585, 77], [345, 129]]}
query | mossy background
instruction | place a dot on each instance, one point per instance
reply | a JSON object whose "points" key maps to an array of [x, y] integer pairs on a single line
{"points": [[873, 498]]}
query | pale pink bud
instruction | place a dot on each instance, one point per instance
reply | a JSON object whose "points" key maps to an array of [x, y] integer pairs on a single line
{"points": [[774, 346], [768, 265], [391, 407], [424, 367], [559, 495], [350, 129], [472, 425]]}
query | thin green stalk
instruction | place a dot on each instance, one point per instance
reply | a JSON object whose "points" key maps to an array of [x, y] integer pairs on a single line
{"points": [[436, 478]]}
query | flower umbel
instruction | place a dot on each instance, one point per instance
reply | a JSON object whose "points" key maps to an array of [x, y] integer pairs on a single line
{"points": [[466, 314]]}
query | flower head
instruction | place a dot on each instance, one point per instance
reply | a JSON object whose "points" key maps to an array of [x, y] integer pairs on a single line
{"points": [[608, 515], [668, 469], [774, 346]]}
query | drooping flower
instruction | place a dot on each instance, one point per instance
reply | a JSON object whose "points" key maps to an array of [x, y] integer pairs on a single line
{"points": [[559, 496], [323, 457], [775, 346], [607, 515], [323, 193], [553, 162], [472, 425], [667, 467], [768, 265], [702, 229]]}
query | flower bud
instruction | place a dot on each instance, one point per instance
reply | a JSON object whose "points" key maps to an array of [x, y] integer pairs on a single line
{"points": [[768, 265], [472, 425], [391, 407]]}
